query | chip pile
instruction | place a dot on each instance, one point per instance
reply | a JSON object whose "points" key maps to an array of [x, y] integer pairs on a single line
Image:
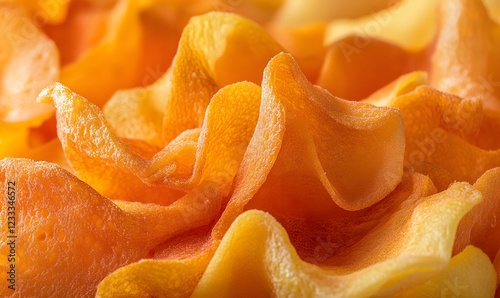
{"points": [[284, 148]]}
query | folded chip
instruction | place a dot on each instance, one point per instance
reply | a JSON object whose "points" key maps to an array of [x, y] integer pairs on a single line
{"points": [[205, 62], [449, 135], [116, 170], [67, 231], [404, 247]]}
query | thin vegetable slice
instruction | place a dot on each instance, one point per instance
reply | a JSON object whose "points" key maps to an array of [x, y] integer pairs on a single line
{"points": [[252, 255], [94, 74], [456, 67], [468, 274], [410, 24], [441, 134], [228, 126], [28, 63], [110, 165], [353, 72], [325, 150], [97, 156], [272, 267], [205, 62], [61, 221]]}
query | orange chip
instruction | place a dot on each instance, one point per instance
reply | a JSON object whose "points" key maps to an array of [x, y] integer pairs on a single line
{"points": [[411, 244], [255, 255], [63, 221], [322, 155], [357, 66], [203, 64], [97, 156], [172, 278], [28, 63], [206, 62], [51, 12], [466, 59], [110, 165], [94, 73], [266, 144], [199, 182], [228, 126], [438, 127], [138, 113]]}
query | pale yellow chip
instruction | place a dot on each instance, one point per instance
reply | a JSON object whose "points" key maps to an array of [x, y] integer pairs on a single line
{"points": [[410, 24]]}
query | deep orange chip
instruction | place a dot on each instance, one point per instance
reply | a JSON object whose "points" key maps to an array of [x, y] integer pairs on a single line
{"points": [[353, 72]]}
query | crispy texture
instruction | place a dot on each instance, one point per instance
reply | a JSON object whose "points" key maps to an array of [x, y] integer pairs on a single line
{"points": [[112, 167], [273, 258], [223, 171], [97, 156], [442, 133], [314, 149], [205, 62], [256, 255], [64, 221]]}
